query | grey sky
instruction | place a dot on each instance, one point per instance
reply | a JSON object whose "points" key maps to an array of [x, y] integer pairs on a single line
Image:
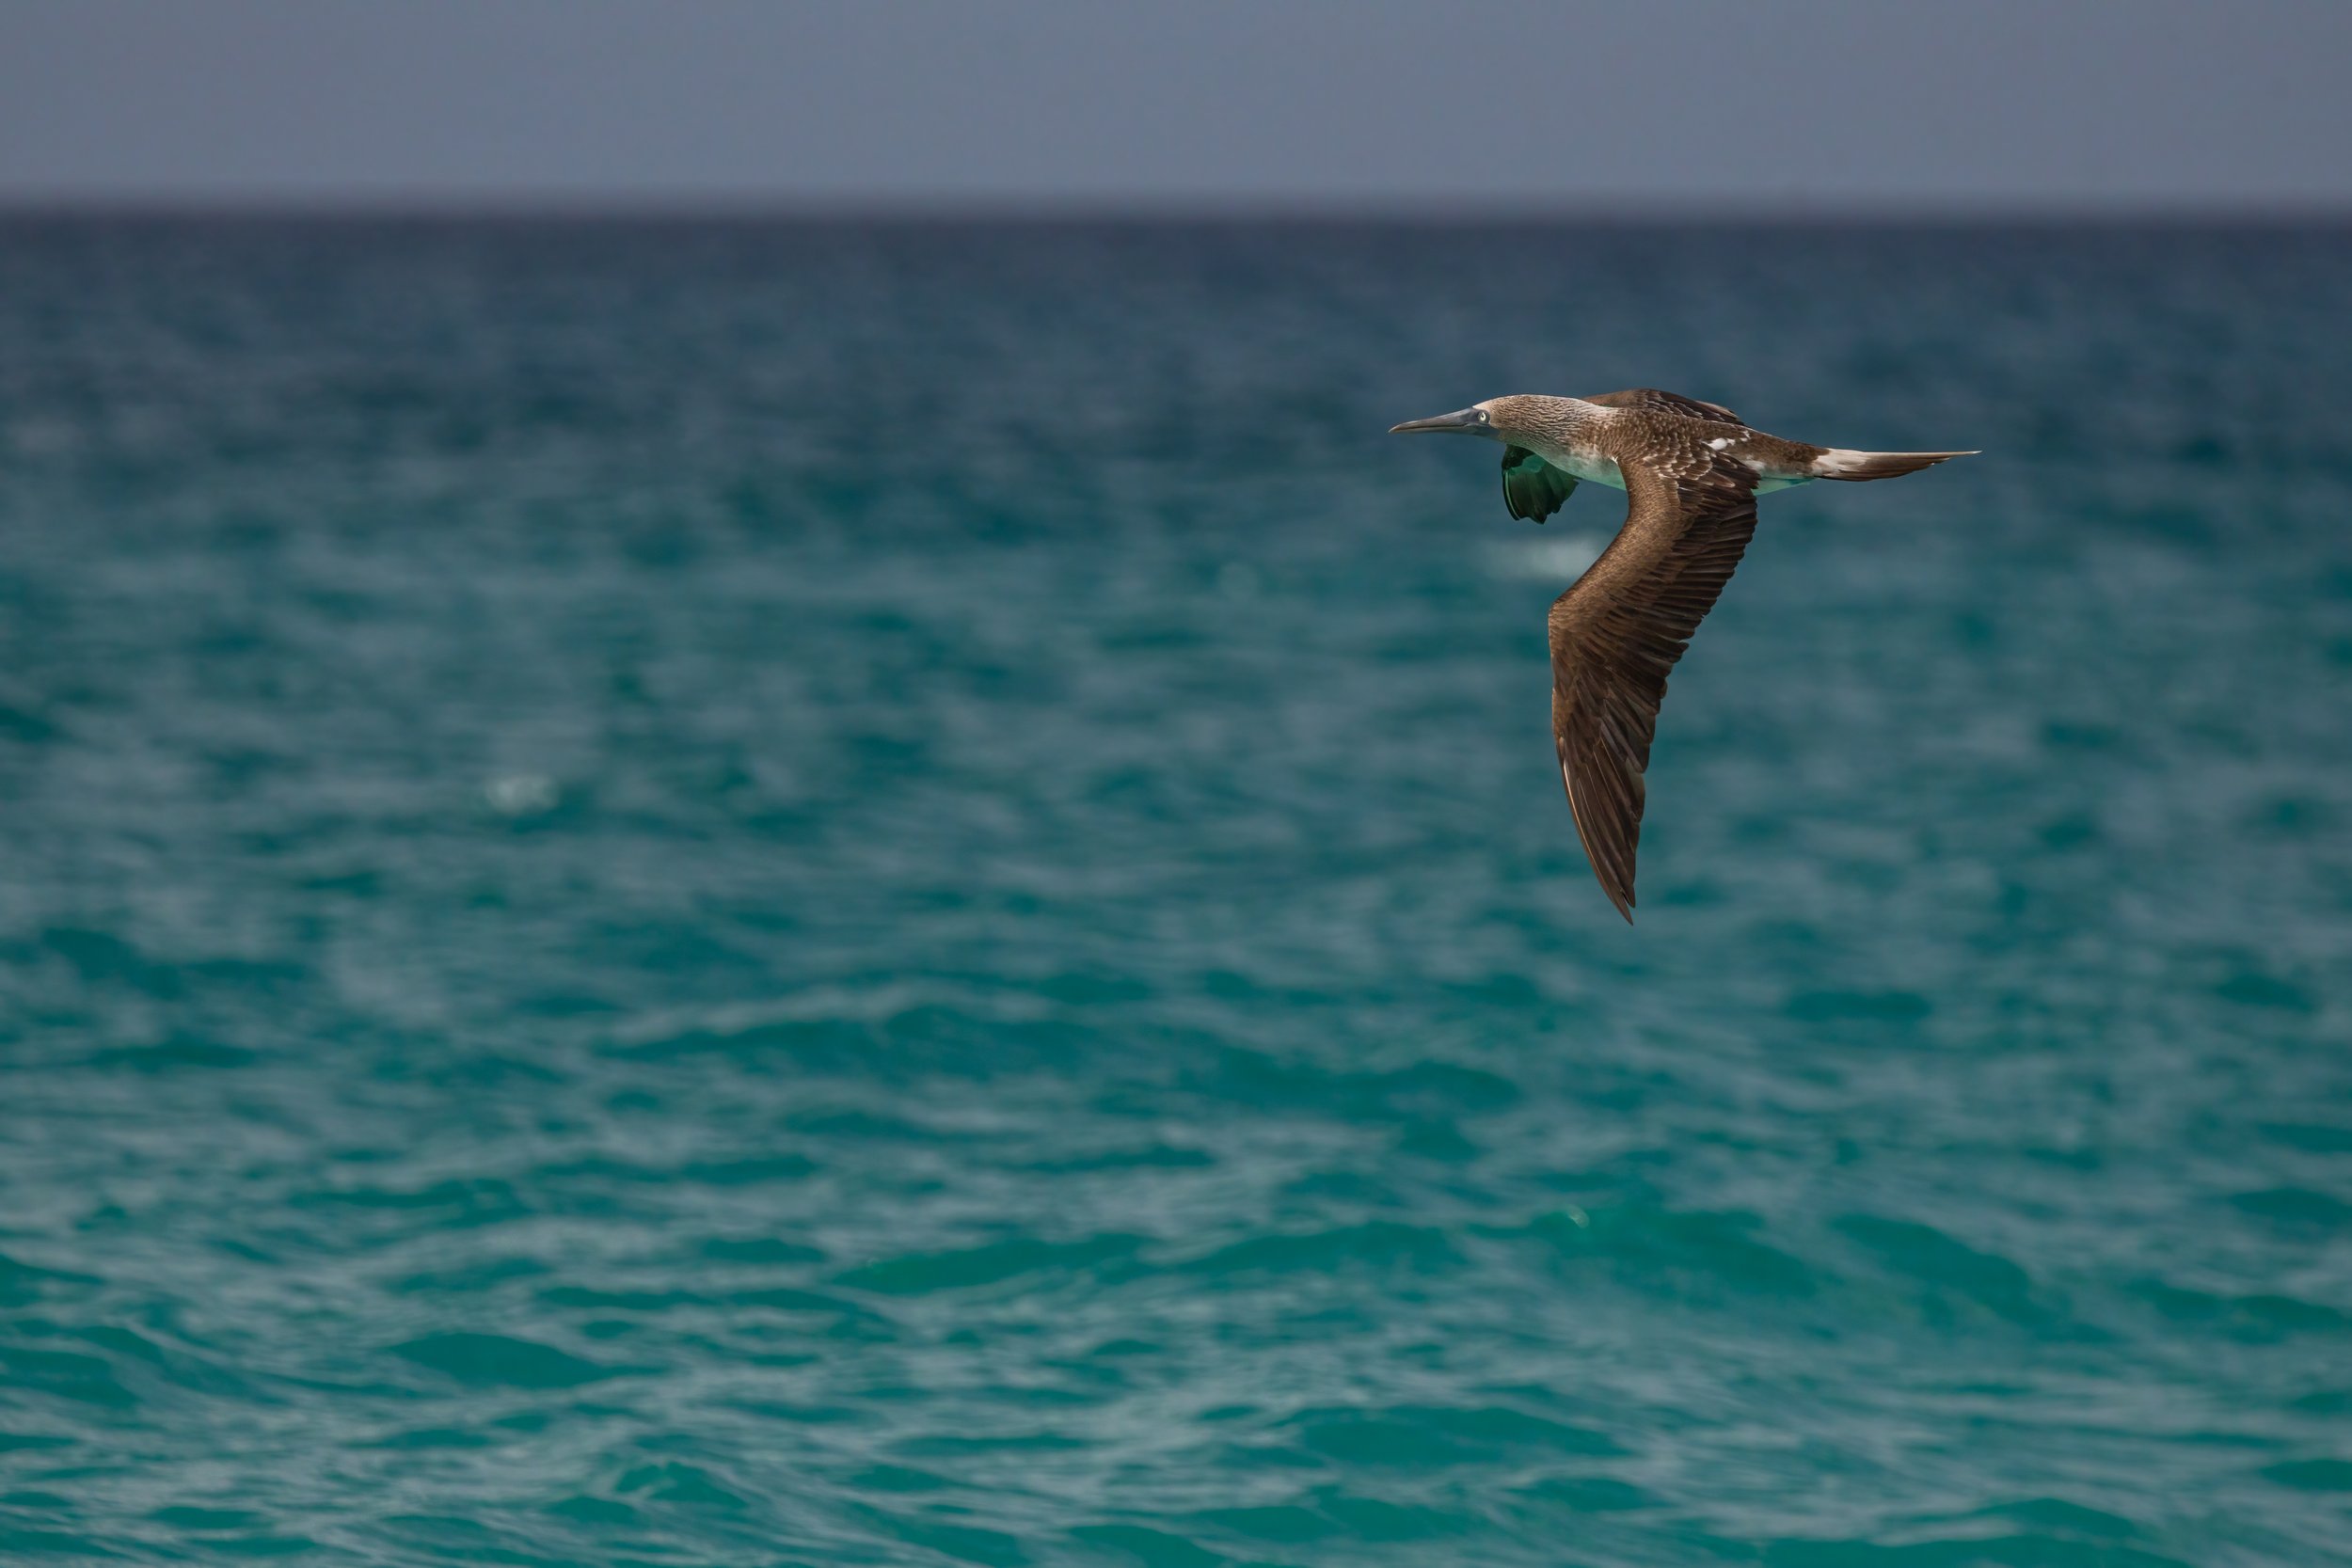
{"points": [[1345, 103]]}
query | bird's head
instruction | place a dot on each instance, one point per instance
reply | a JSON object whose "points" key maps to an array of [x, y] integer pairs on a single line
{"points": [[1509, 418]]}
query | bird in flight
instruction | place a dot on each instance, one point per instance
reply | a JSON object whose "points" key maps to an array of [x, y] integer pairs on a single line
{"points": [[1691, 472]]}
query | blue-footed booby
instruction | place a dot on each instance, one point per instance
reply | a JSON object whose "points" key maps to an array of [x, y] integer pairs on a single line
{"points": [[1690, 471]]}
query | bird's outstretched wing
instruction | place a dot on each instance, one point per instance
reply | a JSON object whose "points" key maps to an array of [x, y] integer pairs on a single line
{"points": [[1531, 486], [1667, 402], [1620, 630]]}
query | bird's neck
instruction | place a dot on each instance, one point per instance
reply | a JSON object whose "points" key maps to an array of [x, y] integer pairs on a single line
{"points": [[1557, 427]]}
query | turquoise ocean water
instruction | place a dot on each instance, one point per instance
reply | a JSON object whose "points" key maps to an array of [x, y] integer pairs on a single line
{"points": [[895, 895]]}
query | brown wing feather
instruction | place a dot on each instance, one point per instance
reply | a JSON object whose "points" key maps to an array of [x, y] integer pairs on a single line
{"points": [[1668, 402], [1620, 630]]}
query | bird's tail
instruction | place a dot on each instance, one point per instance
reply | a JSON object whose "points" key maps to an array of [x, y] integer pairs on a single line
{"points": [[1843, 463]]}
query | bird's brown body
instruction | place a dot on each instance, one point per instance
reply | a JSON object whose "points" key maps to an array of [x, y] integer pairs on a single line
{"points": [[1692, 472]]}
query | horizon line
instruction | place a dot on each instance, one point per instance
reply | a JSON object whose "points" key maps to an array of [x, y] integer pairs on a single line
{"points": [[1300, 210]]}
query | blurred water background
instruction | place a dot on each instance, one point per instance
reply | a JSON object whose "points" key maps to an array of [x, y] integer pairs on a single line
{"points": [[806, 894]]}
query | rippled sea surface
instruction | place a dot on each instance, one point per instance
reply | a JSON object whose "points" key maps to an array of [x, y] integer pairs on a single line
{"points": [[897, 894]]}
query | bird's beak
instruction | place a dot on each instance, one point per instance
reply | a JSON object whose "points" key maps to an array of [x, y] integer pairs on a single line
{"points": [[1461, 418]]}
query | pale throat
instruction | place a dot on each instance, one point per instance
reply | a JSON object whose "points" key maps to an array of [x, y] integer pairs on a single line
{"points": [[1579, 463]]}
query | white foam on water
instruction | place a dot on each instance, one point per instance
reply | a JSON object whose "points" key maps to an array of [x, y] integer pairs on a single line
{"points": [[1557, 557], [521, 794]]}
